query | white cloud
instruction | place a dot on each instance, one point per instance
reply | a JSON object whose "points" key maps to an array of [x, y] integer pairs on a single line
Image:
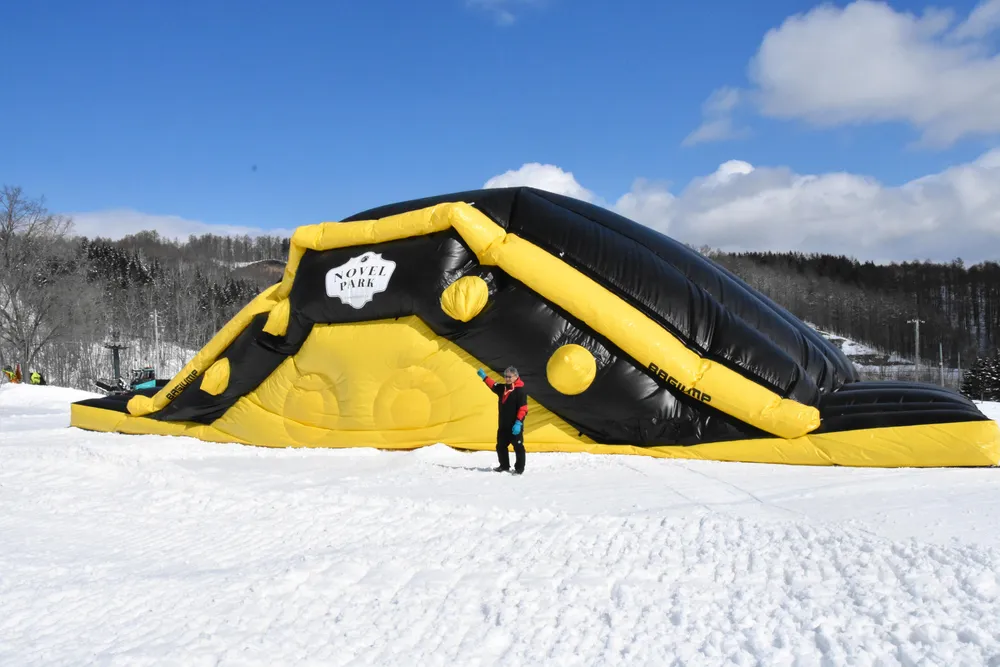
{"points": [[503, 11], [718, 122], [647, 202], [868, 63], [544, 177], [739, 207], [116, 223], [983, 20]]}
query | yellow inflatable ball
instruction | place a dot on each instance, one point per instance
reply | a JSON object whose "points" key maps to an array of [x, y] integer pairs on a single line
{"points": [[465, 298], [571, 369]]}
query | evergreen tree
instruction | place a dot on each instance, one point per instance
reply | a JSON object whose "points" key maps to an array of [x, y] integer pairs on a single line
{"points": [[991, 378], [982, 380], [972, 379]]}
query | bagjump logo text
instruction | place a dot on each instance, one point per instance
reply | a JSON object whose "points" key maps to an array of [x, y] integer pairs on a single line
{"points": [[359, 279]]}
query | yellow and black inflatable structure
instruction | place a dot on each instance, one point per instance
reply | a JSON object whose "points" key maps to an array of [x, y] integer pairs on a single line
{"points": [[628, 342]]}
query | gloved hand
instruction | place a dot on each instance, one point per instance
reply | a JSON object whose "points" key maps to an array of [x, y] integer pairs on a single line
{"points": [[482, 374], [517, 427]]}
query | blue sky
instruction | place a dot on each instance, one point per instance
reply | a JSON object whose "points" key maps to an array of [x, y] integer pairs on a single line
{"points": [[165, 107]]}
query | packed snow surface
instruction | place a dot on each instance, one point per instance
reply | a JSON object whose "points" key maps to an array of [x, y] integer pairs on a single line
{"points": [[141, 550]]}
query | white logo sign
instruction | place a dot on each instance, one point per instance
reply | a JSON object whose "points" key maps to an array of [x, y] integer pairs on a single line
{"points": [[359, 279]]}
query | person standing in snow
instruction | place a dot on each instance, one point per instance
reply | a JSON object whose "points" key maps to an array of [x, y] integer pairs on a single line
{"points": [[513, 408]]}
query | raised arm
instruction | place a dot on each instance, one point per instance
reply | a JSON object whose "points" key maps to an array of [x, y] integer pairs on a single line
{"points": [[490, 382]]}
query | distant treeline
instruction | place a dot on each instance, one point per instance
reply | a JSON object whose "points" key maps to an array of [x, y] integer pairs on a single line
{"points": [[62, 295], [195, 286], [874, 303]]}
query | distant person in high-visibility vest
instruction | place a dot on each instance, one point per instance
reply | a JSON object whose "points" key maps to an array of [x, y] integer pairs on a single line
{"points": [[36, 378], [9, 374], [513, 408]]}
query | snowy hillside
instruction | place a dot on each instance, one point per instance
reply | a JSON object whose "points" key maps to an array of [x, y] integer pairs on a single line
{"points": [[136, 550], [860, 353], [874, 364]]}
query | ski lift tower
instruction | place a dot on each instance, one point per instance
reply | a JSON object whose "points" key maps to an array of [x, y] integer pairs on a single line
{"points": [[115, 344]]}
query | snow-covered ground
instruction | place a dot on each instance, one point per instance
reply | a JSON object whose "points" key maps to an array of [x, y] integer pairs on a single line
{"points": [[141, 550]]}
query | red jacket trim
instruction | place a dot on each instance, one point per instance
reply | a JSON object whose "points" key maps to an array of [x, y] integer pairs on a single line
{"points": [[507, 392], [523, 410]]}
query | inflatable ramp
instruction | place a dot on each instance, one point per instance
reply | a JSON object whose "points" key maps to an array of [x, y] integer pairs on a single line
{"points": [[628, 342]]}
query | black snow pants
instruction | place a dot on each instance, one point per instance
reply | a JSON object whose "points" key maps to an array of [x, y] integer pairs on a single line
{"points": [[505, 438]]}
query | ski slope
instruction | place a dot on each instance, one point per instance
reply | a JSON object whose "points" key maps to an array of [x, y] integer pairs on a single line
{"points": [[142, 550]]}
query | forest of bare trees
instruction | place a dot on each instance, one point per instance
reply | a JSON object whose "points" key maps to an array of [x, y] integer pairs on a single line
{"points": [[959, 306], [62, 296]]}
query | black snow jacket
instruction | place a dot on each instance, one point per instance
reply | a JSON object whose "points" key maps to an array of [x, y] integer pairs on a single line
{"points": [[513, 402]]}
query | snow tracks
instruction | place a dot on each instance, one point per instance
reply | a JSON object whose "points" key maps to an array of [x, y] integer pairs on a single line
{"points": [[118, 550], [125, 562]]}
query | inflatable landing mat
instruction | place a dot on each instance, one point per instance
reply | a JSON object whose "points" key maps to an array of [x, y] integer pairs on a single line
{"points": [[628, 343]]}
